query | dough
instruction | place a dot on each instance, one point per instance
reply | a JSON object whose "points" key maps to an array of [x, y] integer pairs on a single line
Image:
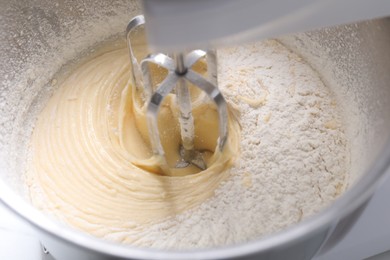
{"points": [[92, 158]]}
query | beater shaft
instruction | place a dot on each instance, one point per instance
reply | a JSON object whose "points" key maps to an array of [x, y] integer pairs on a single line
{"points": [[184, 101]]}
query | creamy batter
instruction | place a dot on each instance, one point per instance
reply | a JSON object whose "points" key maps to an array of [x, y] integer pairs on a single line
{"points": [[92, 156], [92, 165]]}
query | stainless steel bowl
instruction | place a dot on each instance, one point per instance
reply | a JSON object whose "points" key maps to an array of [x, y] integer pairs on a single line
{"points": [[38, 37]]}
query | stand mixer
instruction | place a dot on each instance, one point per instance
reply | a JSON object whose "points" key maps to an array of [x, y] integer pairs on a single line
{"points": [[175, 25]]}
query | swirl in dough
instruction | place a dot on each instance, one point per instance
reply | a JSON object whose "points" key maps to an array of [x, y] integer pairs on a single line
{"points": [[92, 158]]}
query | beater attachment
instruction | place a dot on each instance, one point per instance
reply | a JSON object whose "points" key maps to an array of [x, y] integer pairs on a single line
{"points": [[179, 74]]}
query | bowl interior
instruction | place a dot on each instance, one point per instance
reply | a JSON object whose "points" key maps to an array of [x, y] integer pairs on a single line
{"points": [[353, 60]]}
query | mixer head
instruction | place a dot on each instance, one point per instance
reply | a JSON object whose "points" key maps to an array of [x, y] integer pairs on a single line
{"points": [[179, 75]]}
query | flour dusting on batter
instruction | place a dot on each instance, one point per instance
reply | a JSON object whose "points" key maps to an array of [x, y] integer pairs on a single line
{"points": [[290, 162]]}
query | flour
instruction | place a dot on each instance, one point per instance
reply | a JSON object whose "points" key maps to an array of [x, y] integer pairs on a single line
{"points": [[292, 163], [293, 154]]}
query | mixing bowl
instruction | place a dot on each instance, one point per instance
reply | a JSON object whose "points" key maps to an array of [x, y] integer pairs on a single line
{"points": [[39, 37]]}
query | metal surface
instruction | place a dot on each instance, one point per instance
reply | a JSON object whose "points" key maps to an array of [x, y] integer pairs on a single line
{"points": [[180, 73], [367, 238], [216, 23], [186, 120], [354, 59]]}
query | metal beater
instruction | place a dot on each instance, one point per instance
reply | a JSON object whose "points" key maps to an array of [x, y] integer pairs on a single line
{"points": [[180, 73]]}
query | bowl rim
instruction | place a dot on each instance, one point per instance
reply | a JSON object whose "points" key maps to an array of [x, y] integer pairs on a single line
{"points": [[359, 193]]}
